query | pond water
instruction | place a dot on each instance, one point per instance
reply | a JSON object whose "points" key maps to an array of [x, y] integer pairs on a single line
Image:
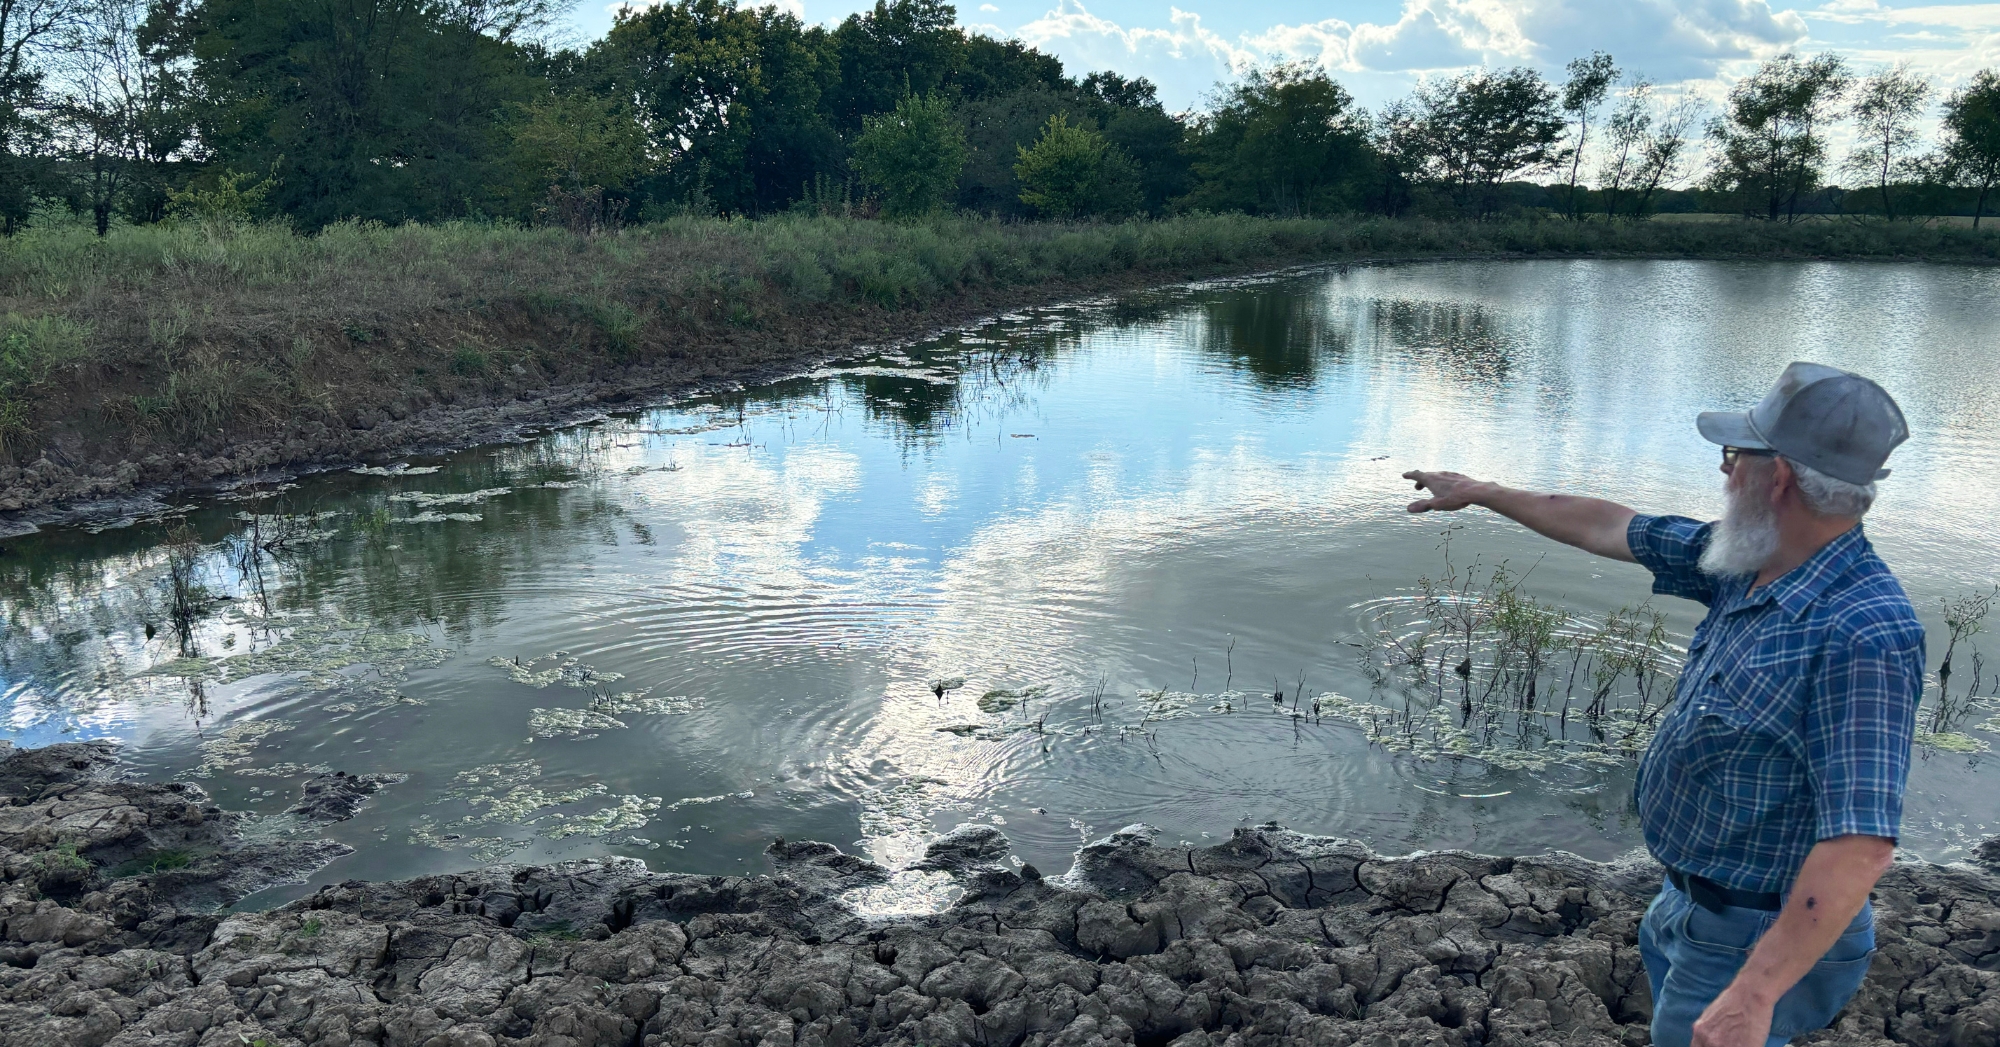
{"points": [[1045, 573]]}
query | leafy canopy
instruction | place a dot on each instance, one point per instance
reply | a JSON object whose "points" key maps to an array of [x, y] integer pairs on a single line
{"points": [[913, 154]]}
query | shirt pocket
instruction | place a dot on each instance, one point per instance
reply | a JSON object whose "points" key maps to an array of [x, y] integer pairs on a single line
{"points": [[1745, 759]]}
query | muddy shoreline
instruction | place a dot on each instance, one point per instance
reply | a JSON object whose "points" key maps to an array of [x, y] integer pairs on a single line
{"points": [[110, 933], [56, 490]]}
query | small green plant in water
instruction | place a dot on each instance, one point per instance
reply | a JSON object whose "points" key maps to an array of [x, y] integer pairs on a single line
{"points": [[151, 864]]}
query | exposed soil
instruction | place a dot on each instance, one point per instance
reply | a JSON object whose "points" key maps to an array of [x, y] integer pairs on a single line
{"points": [[1272, 938]]}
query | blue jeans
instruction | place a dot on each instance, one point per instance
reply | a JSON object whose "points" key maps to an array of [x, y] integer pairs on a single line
{"points": [[1693, 954]]}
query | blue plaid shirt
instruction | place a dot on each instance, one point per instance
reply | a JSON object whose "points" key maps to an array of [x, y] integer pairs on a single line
{"points": [[1793, 717]]}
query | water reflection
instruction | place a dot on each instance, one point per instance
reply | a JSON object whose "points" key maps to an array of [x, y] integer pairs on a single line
{"points": [[1123, 525]]}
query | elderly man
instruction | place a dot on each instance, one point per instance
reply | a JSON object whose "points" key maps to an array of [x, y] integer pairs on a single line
{"points": [[1773, 788]]}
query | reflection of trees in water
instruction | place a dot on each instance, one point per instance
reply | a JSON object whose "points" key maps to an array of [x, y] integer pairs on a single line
{"points": [[80, 613], [1277, 336], [998, 369], [1463, 340]]}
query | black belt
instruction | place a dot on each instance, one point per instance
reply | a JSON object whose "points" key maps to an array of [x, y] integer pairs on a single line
{"points": [[1713, 896]]}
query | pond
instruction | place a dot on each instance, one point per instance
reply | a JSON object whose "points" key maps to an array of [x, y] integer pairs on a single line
{"points": [[1048, 573]]}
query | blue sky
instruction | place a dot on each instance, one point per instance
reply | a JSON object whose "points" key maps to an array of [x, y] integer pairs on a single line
{"points": [[1380, 48]]}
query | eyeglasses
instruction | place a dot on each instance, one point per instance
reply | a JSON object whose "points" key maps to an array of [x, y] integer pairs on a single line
{"points": [[1731, 454]]}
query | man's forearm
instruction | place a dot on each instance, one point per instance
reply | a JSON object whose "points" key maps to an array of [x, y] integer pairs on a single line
{"points": [[1592, 524], [1831, 887]]}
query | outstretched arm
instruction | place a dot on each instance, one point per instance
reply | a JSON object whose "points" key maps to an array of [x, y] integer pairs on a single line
{"points": [[1591, 524]]}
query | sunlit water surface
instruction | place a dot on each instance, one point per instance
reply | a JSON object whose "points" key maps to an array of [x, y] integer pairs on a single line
{"points": [[755, 597]]}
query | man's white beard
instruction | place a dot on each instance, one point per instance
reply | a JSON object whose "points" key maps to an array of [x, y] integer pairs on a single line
{"points": [[1745, 538]]}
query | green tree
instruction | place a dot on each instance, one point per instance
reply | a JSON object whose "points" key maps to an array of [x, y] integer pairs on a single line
{"points": [[375, 109], [1134, 120], [1770, 149], [1972, 137], [897, 49], [1071, 171], [1647, 150], [1285, 140], [575, 144], [1467, 134], [1590, 79], [1886, 109], [730, 99], [913, 154]]}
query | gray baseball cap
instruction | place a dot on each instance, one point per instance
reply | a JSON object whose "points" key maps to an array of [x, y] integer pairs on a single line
{"points": [[1818, 416]]}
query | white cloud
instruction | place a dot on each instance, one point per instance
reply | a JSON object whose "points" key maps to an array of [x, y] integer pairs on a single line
{"points": [[1183, 57], [989, 8], [1671, 40]]}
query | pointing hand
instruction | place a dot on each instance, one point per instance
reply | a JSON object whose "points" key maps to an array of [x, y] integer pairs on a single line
{"points": [[1449, 491]]}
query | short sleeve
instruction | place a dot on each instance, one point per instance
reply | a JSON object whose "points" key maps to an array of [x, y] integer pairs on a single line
{"points": [[1671, 548], [1859, 726]]}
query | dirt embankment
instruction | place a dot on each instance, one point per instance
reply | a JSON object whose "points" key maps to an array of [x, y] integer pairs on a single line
{"points": [[109, 935], [79, 474]]}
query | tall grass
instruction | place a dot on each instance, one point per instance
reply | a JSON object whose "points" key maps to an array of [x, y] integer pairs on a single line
{"points": [[188, 338]]}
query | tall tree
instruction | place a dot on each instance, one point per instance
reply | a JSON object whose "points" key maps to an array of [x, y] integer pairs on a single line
{"points": [[1134, 120], [375, 109], [1590, 79], [508, 20], [730, 97], [1972, 137], [1668, 153], [897, 49], [1626, 133], [1471, 132], [32, 34], [1285, 140], [124, 113], [1770, 148], [913, 154], [1886, 110]]}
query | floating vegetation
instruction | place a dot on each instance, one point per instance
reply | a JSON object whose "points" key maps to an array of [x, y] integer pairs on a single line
{"points": [[603, 712], [1002, 700], [284, 770], [1952, 742], [509, 794], [423, 500], [432, 516], [319, 653], [570, 723], [628, 814], [234, 745], [398, 469], [553, 668], [640, 703]]}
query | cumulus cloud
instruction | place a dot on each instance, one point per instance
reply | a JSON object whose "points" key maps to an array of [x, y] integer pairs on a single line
{"points": [[1669, 39], [1170, 54]]}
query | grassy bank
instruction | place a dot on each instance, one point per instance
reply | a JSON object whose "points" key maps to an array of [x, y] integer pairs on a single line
{"points": [[165, 355]]}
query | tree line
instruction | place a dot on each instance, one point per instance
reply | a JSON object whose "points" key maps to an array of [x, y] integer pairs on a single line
{"points": [[320, 111]]}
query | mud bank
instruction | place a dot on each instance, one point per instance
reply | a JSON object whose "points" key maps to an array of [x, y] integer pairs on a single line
{"points": [[1272, 938], [92, 473]]}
